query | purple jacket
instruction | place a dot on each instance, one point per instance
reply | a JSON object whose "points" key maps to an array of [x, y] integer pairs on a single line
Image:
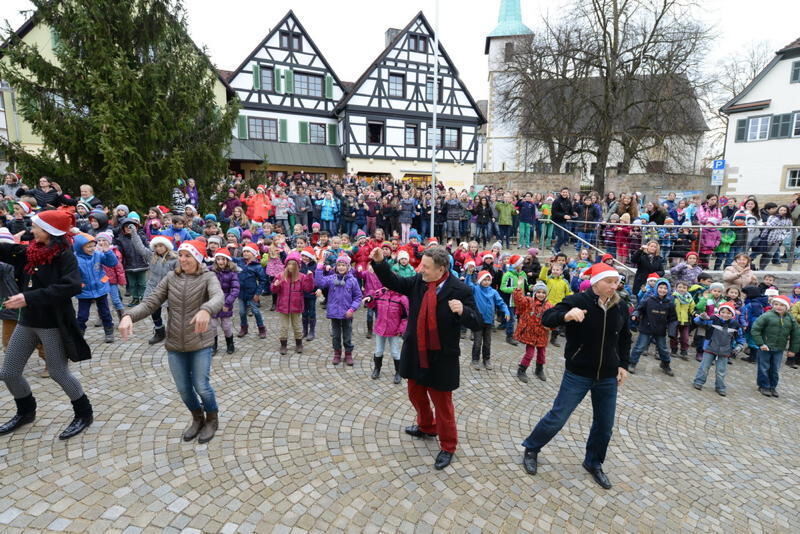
{"points": [[229, 204], [229, 281], [343, 292]]}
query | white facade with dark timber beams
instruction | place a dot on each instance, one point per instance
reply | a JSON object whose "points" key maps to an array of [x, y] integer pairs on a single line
{"points": [[288, 93], [386, 118]]}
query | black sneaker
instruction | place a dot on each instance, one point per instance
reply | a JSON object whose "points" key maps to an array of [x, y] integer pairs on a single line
{"points": [[774, 393], [765, 392]]}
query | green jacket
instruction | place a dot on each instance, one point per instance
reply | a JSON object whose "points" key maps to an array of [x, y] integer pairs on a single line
{"points": [[504, 212], [776, 331], [727, 237], [405, 272], [509, 283]]}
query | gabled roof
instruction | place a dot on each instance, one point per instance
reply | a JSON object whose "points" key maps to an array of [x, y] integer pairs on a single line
{"points": [[289, 14], [29, 24], [788, 51], [397, 38]]}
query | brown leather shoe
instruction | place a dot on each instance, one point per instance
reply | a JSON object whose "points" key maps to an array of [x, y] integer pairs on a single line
{"points": [[209, 428]]}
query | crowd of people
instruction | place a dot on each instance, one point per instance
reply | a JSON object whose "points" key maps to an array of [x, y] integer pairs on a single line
{"points": [[297, 245]]}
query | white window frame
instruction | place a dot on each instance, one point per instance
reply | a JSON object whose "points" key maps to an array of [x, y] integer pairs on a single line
{"points": [[795, 73], [796, 125], [796, 178], [304, 85], [317, 133], [761, 129], [393, 85]]}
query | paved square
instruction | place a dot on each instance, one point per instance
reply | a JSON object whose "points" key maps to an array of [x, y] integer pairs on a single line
{"points": [[305, 446]]}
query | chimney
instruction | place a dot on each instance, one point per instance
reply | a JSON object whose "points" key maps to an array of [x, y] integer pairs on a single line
{"points": [[391, 33]]}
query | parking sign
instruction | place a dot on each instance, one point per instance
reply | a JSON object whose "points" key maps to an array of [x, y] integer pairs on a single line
{"points": [[719, 164]]}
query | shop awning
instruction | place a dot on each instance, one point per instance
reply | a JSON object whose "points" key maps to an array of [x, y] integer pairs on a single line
{"points": [[300, 155]]}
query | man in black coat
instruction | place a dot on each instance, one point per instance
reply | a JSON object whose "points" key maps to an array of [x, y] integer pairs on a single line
{"points": [[598, 343], [439, 305], [563, 212]]}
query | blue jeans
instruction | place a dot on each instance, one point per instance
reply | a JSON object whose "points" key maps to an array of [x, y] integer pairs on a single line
{"points": [[586, 236], [328, 226], [250, 304], [505, 233], [395, 343], [705, 365], [572, 391], [561, 238], [483, 233], [769, 366], [424, 226], [191, 370], [643, 341], [116, 299]]}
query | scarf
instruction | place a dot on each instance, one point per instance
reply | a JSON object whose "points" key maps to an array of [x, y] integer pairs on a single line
{"points": [[38, 254], [427, 328], [686, 298]]}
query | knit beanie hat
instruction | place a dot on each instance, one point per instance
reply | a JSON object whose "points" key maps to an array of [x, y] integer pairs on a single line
{"points": [[540, 286], [5, 236], [107, 236], [122, 207], [361, 234], [235, 232], [343, 258], [403, 254], [533, 251], [215, 239], [293, 256], [691, 253], [717, 285], [135, 217], [413, 235], [196, 248]]}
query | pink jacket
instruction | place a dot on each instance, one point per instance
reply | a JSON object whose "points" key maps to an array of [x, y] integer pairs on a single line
{"points": [[371, 282], [290, 294], [392, 312], [709, 239], [116, 274]]}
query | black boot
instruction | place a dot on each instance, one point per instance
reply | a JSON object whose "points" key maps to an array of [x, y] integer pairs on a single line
{"points": [[159, 334], [554, 339], [397, 377], [109, 333], [26, 413], [305, 328], [229, 343], [521, 374], [83, 418], [312, 329], [540, 372], [376, 370], [215, 347], [369, 329]]}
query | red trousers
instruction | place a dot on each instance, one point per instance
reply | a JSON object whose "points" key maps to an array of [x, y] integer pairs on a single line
{"points": [[444, 422]]}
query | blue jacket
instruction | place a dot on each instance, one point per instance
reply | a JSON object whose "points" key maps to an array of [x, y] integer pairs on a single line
{"points": [[93, 275], [178, 235], [487, 299], [722, 337], [329, 208], [344, 292], [252, 278]]}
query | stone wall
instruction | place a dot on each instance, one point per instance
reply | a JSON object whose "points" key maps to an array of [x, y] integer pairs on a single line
{"points": [[648, 184]]}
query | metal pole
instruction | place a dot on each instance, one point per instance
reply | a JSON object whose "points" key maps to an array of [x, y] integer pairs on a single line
{"points": [[435, 113]]}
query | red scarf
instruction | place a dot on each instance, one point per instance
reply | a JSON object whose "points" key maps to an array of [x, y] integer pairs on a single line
{"points": [[38, 254], [427, 328]]}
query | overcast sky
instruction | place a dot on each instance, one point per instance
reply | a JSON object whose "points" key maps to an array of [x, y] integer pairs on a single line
{"points": [[351, 33]]}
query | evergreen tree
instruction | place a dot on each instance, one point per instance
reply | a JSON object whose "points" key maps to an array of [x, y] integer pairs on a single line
{"points": [[127, 106]]}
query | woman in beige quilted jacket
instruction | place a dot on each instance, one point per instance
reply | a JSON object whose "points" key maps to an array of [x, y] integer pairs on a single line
{"points": [[194, 296]]}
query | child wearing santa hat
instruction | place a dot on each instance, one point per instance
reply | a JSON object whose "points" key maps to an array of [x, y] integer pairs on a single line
{"points": [[772, 332], [252, 280], [487, 300], [723, 339], [228, 275]]}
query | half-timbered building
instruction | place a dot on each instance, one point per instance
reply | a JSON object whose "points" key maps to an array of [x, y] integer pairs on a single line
{"points": [[386, 121], [288, 94]]}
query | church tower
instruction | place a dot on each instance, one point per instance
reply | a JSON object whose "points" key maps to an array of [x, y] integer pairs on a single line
{"points": [[502, 142]]}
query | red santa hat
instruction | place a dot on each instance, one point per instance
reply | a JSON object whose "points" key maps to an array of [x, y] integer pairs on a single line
{"points": [[606, 257], [599, 271], [470, 261], [224, 252], [54, 222], [515, 260], [252, 248], [24, 206], [196, 248], [163, 209], [482, 275], [165, 240], [729, 305], [308, 252], [783, 300], [432, 241], [487, 254], [653, 276]]}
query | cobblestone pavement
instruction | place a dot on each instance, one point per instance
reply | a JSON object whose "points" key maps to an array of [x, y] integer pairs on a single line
{"points": [[305, 446]]}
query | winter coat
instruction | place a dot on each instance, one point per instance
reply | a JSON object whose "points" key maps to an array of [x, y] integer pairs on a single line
{"points": [[229, 283], [252, 278], [527, 211], [557, 289], [160, 266], [487, 301], [361, 257], [509, 283], [722, 337], [186, 294], [344, 294], [645, 265], [132, 257], [704, 213], [291, 295], [404, 271], [776, 331], [709, 239], [727, 237], [370, 279], [684, 307], [505, 211], [778, 229], [587, 214], [392, 308], [443, 368], [8, 287], [408, 210], [329, 209], [283, 206], [93, 275], [655, 313], [599, 345], [483, 213], [561, 207], [735, 276], [530, 329], [683, 272]]}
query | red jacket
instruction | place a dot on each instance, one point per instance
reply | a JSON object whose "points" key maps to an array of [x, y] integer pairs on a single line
{"points": [[290, 294], [361, 257], [529, 326], [116, 274]]}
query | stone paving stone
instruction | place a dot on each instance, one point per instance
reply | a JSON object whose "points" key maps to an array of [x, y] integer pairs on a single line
{"points": [[307, 447]]}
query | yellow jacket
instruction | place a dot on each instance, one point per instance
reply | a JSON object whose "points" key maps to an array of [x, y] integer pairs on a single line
{"points": [[557, 289]]}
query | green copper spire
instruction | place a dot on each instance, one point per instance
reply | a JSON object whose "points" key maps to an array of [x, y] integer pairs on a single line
{"points": [[509, 22]]}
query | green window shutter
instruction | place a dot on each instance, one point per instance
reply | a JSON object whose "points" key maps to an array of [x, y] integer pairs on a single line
{"points": [[779, 126], [289, 82], [303, 132], [256, 76], [741, 130], [786, 125], [276, 77], [328, 86], [282, 127], [333, 134], [242, 133]]}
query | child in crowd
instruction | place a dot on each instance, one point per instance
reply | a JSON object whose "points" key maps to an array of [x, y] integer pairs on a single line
{"points": [[309, 265], [682, 244], [649, 288], [666, 238], [252, 280], [290, 289], [687, 271], [707, 303], [697, 290], [684, 311], [344, 298], [654, 316], [709, 239], [511, 280], [772, 332], [755, 304], [546, 228], [557, 290], [723, 340], [795, 296], [488, 301], [115, 274], [133, 259], [403, 267], [722, 254], [608, 234], [273, 261], [622, 234], [530, 330], [767, 282], [228, 275], [94, 281], [392, 308]]}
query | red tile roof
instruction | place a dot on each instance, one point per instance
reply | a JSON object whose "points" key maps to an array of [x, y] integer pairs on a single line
{"points": [[791, 46]]}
